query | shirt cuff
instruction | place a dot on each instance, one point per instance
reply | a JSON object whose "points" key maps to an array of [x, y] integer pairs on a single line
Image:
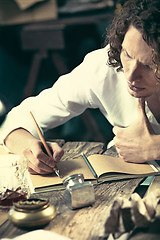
{"points": [[6, 149]]}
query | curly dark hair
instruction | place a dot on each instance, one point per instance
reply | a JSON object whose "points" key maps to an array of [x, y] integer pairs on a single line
{"points": [[144, 15]]}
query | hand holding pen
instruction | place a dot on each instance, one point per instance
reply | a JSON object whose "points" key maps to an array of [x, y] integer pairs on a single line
{"points": [[50, 163]]}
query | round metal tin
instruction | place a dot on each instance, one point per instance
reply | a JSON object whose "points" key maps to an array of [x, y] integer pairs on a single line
{"points": [[31, 213]]}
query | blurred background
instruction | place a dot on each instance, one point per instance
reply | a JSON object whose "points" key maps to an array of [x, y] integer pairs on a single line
{"points": [[43, 39]]}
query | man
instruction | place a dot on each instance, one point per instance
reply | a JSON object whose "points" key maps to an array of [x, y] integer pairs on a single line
{"points": [[121, 79]]}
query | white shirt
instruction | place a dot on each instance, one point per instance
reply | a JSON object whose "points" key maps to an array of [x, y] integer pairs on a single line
{"points": [[93, 84]]}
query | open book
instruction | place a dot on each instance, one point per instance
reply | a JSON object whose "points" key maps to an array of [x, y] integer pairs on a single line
{"points": [[107, 169]]}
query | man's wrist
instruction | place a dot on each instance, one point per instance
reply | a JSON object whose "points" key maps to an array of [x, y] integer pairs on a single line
{"points": [[156, 147]]}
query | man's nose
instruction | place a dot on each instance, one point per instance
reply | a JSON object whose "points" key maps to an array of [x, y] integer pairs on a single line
{"points": [[134, 71]]}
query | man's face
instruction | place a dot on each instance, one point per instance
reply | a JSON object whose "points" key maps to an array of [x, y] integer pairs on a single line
{"points": [[136, 58]]}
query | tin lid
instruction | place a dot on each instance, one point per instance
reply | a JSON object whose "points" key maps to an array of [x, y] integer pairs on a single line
{"points": [[33, 204], [73, 179]]}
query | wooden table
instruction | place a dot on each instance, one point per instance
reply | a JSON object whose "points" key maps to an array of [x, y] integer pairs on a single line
{"points": [[86, 223]]}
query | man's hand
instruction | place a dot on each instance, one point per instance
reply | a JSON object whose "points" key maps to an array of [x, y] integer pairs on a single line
{"points": [[133, 142], [20, 141], [38, 160]]}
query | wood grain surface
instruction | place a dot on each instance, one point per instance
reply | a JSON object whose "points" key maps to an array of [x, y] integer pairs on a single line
{"points": [[88, 222]]}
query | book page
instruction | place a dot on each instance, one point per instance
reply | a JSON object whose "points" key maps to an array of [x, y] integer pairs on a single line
{"points": [[105, 164], [67, 168]]}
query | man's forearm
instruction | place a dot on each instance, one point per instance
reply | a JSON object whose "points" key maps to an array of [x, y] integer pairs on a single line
{"points": [[155, 147], [18, 140]]}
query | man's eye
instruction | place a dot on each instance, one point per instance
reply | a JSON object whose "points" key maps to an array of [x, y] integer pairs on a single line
{"points": [[126, 54], [148, 67]]}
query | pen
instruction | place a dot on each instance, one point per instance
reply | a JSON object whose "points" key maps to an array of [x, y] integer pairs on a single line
{"points": [[89, 165], [44, 143]]}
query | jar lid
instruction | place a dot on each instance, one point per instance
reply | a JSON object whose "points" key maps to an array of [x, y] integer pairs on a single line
{"points": [[32, 204], [73, 179]]}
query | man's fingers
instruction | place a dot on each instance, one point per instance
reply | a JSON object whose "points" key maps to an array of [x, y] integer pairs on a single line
{"points": [[39, 154], [57, 151], [141, 105], [33, 170], [116, 130], [38, 166], [144, 118], [39, 162]]}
